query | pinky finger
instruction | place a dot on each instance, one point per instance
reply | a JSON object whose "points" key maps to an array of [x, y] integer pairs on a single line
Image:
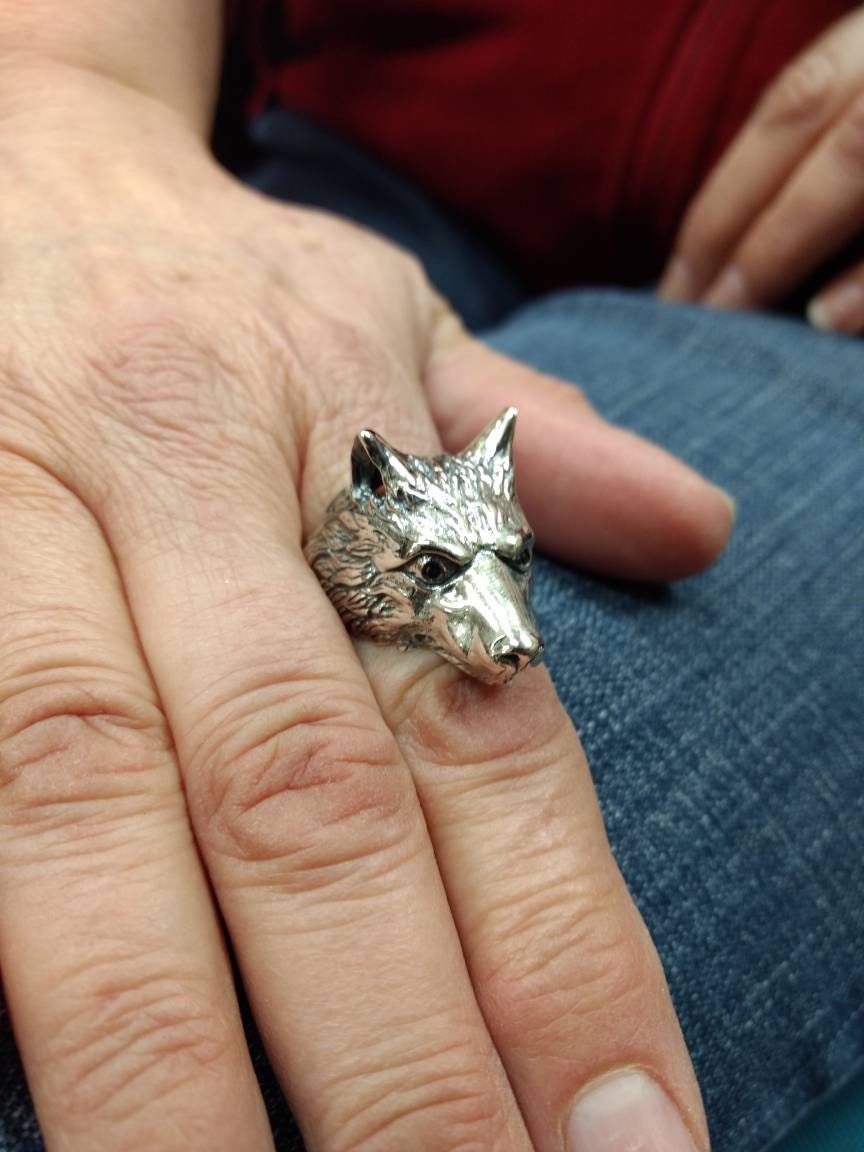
{"points": [[840, 306], [113, 967]]}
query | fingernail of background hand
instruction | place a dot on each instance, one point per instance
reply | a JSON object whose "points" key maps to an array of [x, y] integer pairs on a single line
{"points": [[623, 1112], [839, 310], [677, 282], [728, 291]]}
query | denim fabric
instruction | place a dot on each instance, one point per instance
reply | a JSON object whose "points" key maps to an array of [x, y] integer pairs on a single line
{"points": [[723, 716], [838, 1127]]}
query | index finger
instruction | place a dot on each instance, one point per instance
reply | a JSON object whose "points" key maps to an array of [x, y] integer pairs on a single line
{"points": [[568, 980], [597, 496]]}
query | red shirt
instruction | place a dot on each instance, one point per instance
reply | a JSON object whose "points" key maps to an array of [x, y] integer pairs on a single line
{"points": [[571, 134]]}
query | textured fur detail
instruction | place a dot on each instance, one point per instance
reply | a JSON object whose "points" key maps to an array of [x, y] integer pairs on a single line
{"points": [[369, 553]]}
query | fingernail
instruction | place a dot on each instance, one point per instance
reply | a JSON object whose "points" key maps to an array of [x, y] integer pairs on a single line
{"points": [[677, 281], [623, 1112], [839, 310], [728, 291]]}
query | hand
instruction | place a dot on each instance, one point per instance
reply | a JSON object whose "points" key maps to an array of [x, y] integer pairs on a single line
{"points": [[788, 194], [412, 868]]}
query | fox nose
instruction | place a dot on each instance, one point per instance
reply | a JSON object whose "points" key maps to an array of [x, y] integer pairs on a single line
{"points": [[517, 652]]}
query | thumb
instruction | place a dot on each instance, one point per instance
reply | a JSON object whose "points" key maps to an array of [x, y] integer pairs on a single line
{"points": [[597, 496]]}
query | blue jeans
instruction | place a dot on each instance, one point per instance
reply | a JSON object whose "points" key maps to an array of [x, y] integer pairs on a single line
{"points": [[724, 717]]}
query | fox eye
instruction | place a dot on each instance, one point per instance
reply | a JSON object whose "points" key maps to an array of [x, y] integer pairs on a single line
{"points": [[433, 568], [522, 560]]}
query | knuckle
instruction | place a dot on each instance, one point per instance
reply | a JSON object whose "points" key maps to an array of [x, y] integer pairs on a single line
{"points": [[349, 360], [131, 1040], [322, 794], [180, 406], [164, 373], [805, 90], [449, 720], [573, 395], [150, 354], [439, 1099], [591, 958], [407, 269], [73, 739], [416, 280], [353, 355], [413, 268]]}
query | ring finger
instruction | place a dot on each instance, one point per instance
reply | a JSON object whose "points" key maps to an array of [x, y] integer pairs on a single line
{"points": [[565, 972], [570, 985]]}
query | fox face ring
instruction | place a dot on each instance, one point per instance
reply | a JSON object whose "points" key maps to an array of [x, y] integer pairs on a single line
{"points": [[434, 552]]}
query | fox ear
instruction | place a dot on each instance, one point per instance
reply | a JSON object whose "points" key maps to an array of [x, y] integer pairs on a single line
{"points": [[494, 445], [376, 467]]}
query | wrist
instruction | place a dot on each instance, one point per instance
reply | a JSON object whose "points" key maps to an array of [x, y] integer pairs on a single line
{"points": [[59, 121], [166, 49], [41, 98], [85, 154]]}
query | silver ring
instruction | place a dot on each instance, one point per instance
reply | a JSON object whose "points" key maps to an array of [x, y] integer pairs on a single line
{"points": [[434, 552]]}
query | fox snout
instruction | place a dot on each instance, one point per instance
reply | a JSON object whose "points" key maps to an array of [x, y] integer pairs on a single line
{"points": [[489, 619], [434, 552], [515, 652]]}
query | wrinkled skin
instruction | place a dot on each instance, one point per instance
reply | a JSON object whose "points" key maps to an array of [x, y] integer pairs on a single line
{"points": [[434, 552], [786, 200], [411, 866]]}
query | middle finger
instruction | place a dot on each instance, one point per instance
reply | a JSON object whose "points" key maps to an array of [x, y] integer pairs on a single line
{"points": [[567, 978]]}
